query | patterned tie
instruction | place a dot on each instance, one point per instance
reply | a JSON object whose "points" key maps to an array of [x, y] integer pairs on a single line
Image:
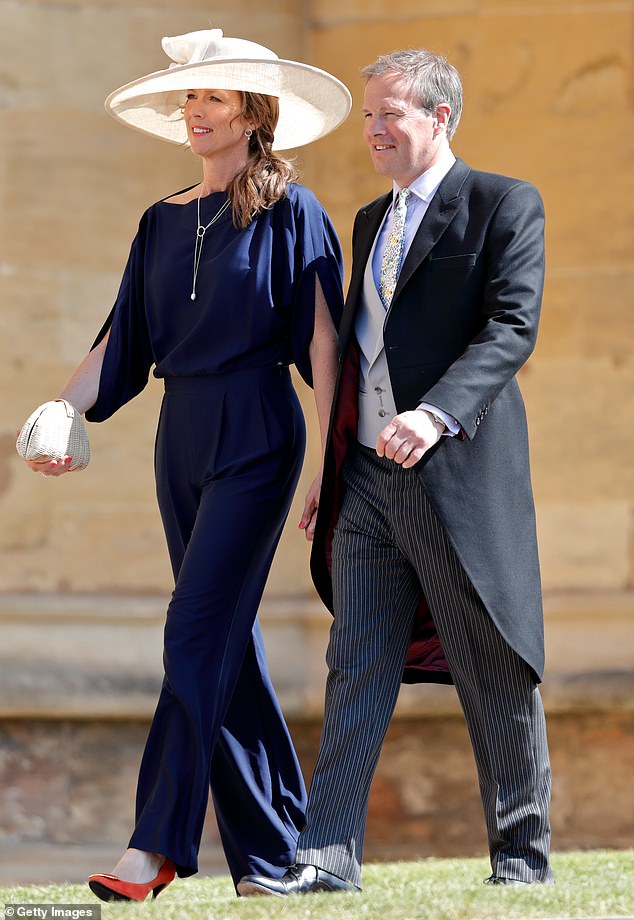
{"points": [[393, 254]]}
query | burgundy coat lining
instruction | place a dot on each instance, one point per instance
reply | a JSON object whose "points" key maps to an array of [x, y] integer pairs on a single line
{"points": [[425, 658]]}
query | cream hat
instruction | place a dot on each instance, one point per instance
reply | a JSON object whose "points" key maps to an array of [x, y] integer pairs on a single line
{"points": [[312, 102]]}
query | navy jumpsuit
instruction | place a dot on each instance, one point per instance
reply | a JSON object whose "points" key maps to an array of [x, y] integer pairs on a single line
{"points": [[229, 449]]}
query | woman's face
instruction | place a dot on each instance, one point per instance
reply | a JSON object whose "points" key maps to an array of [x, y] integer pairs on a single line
{"points": [[215, 124]]}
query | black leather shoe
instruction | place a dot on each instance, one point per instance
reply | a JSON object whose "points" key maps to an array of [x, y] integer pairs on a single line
{"points": [[500, 880], [298, 879]]}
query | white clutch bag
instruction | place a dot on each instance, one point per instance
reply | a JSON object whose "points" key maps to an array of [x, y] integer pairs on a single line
{"points": [[54, 431]]}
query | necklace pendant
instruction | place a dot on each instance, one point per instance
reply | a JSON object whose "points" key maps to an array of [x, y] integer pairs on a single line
{"points": [[201, 229]]}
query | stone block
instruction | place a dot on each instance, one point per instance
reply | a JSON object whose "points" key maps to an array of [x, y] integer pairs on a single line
{"points": [[584, 545], [526, 59], [589, 648], [126, 550], [577, 411], [584, 750], [330, 13], [34, 789], [587, 312], [85, 796], [71, 547]]}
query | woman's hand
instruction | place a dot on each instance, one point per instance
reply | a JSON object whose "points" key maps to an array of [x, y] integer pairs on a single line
{"points": [[50, 467], [81, 392], [311, 504]]}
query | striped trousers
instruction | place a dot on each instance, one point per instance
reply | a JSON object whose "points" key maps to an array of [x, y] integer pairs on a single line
{"points": [[388, 548]]}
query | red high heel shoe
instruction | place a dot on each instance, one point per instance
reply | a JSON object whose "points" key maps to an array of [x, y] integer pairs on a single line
{"points": [[111, 888]]}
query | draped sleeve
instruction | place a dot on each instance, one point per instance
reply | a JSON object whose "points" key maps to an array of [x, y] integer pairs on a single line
{"points": [[312, 250], [128, 356]]}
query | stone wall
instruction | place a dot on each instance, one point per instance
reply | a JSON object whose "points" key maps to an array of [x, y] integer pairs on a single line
{"points": [[68, 787], [83, 567]]}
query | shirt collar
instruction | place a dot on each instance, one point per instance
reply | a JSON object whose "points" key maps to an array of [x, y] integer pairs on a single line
{"points": [[426, 185]]}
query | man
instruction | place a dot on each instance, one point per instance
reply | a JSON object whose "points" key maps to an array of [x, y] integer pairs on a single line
{"points": [[426, 521]]}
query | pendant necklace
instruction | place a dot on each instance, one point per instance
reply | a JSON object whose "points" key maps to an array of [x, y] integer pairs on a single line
{"points": [[200, 236]]}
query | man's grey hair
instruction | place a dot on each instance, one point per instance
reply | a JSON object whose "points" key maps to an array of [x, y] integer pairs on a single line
{"points": [[431, 77]]}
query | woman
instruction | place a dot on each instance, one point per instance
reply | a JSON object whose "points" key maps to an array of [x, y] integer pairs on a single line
{"points": [[226, 283]]}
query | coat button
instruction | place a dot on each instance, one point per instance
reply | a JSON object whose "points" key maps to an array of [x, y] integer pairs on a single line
{"points": [[382, 413]]}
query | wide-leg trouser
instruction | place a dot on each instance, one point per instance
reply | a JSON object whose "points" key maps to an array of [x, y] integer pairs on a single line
{"points": [[388, 547], [228, 456]]}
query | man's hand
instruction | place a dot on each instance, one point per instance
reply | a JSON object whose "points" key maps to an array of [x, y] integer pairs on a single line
{"points": [[408, 437]]}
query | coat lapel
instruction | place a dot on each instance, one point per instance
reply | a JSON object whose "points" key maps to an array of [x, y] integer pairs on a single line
{"points": [[441, 211], [366, 228]]}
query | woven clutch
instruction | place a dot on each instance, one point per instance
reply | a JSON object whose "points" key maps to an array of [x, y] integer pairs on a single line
{"points": [[54, 431]]}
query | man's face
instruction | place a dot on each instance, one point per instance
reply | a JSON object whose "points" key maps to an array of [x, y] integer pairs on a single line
{"points": [[404, 140]]}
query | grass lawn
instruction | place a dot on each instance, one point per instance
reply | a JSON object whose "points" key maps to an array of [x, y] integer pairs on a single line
{"points": [[591, 884]]}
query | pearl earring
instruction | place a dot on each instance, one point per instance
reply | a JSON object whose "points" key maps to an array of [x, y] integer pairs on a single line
{"points": [[248, 132]]}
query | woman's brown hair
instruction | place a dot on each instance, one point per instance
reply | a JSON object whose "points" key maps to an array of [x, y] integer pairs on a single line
{"points": [[264, 179]]}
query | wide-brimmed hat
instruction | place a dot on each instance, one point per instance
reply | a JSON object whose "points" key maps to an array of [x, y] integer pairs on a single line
{"points": [[312, 101]]}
